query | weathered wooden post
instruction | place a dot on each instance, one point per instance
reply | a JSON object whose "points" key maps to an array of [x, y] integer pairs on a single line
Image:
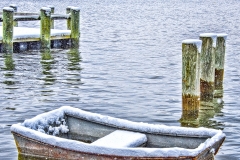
{"points": [[14, 6], [75, 28], [52, 12], [45, 31], [9, 63], [191, 49], [68, 11], [207, 65], [219, 64], [7, 43]]}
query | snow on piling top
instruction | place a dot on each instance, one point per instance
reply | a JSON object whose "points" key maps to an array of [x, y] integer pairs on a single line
{"points": [[75, 8], [223, 35], [8, 9], [196, 42], [13, 5], [210, 35], [46, 9]]}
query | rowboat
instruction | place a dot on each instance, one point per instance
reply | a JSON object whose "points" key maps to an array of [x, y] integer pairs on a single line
{"points": [[71, 133]]}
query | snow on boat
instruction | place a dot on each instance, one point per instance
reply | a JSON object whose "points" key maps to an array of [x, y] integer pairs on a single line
{"points": [[71, 133]]}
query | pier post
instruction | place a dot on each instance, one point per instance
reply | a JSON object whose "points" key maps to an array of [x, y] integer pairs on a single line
{"points": [[52, 12], [219, 64], [7, 43], [191, 49], [14, 6], [207, 65], [45, 31], [68, 11], [75, 28]]}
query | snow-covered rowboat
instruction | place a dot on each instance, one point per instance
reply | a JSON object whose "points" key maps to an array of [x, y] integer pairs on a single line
{"points": [[71, 133]]}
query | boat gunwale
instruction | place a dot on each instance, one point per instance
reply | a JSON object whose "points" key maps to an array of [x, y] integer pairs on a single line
{"points": [[135, 130]]}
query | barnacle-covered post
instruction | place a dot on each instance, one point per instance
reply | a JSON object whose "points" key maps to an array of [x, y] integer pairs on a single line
{"points": [[52, 12], [75, 28], [7, 43], [207, 64], [14, 6], [191, 49], [219, 64], [45, 33]]}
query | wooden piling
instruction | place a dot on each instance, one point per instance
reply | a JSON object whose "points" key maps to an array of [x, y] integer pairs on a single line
{"points": [[191, 49], [207, 65], [45, 29], [75, 29], [14, 6], [7, 43], [52, 12], [68, 11], [219, 64]]}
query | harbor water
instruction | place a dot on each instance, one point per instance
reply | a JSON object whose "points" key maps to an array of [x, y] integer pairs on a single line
{"points": [[128, 66]]}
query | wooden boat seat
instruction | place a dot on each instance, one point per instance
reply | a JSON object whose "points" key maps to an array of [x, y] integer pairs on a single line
{"points": [[121, 138]]}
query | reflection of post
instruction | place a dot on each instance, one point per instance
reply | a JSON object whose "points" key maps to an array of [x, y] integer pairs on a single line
{"points": [[74, 58], [190, 79], [9, 66], [219, 65], [47, 62], [207, 65]]}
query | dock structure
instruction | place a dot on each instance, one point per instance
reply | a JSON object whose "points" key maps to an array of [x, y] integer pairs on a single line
{"points": [[202, 77], [12, 37]]}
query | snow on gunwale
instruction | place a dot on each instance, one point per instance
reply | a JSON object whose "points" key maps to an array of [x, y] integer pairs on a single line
{"points": [[28, 129]]}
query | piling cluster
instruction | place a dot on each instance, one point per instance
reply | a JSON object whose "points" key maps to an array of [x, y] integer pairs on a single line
{"points": [[202, 73], [10, 19]]}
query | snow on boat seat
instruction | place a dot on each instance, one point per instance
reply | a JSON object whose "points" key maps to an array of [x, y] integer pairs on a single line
{"points": [[120, 138]]}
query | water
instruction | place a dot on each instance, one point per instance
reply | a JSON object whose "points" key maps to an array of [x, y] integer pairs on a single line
{"points": [[128, 65]]}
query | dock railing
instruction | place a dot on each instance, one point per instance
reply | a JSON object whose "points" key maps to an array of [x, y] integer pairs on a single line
{"points": [[10, 18]]}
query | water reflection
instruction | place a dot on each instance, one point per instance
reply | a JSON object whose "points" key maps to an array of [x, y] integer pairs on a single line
{"points": [[74, 67], [47, 62], [9, 67], [207, 111], [74, 59]]}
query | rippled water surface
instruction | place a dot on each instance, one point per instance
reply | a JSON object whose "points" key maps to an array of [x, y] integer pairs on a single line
{"points": [[128, 65]]}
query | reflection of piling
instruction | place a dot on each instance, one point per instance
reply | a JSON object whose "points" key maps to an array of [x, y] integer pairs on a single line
{"points": [[47, 62], [45, 33], [219, 65], [7, 30], [207, 65], [190, 79]]}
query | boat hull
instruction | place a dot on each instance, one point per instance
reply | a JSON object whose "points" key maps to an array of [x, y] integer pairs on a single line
{"points": [[77, 131], [38, 150]]}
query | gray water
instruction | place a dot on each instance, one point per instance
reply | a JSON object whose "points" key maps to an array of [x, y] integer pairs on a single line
{"points": [[128, 65]]}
